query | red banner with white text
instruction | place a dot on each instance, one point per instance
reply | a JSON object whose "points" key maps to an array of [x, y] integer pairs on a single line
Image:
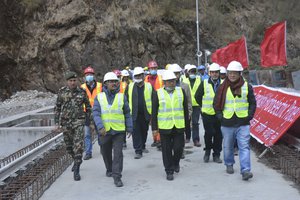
{"points": [[276, 112]]}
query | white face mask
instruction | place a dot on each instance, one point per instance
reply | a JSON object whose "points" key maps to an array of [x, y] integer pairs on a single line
{"points": [[138, 80]]}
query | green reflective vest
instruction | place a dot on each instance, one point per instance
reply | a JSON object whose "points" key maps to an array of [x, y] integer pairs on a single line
{"points": [[208, 98], [112, 115], [170, 110], [194, 89], [147, 96], [237, 105]]}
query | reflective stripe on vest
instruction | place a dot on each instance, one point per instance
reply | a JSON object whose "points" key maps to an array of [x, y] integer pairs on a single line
{"points": [[237, 105], [123, 86], [158, 82], [194, 89], [208, 97], [147, 96], [170, 110], [90, 95], [112, 115]]}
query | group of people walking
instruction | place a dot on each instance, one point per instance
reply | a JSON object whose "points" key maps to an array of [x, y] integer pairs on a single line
{"points": [[171, 102]]}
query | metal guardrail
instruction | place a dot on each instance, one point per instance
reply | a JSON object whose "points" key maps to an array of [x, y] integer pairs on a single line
{"points": [[21, 161], [7, 160]]}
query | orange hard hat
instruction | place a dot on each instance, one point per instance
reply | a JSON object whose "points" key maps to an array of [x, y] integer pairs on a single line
{"points": [[152, 64], [89, 70]]}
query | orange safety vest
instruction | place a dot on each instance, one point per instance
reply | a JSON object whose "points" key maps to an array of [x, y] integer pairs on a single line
{"points": [[158, 82], [123, 86], [92, 95]]}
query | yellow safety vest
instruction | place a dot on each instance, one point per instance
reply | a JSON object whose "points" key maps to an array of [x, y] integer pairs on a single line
{"points": [[237, 105], [170, 109], [194, 89], [147, 96], [112, 115], [208, 98]]}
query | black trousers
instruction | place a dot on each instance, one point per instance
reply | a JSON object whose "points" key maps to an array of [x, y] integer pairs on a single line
{"points": [[172, 147], [112, 152], [213, 135], [140, 133]]}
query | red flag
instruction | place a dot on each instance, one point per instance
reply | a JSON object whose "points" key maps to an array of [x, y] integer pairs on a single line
{"points": [[273, 47], [233, 51]]}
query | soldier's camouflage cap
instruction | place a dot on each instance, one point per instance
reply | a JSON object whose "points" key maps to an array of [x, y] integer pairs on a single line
{"points": [[70, 74]]}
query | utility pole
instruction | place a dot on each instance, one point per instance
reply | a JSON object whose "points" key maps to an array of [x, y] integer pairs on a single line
{"points": [[199, 53]]}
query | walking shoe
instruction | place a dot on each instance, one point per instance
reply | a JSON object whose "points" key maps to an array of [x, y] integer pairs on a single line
{"points": [[246, 175], [145, 151], [108, 173], [154, 144], [197, 144], [229, 169], [170, 177], [217, 159], [118, 182], [138, 156], [187, 141], [206, 158], [76, 172], [177, 168], [87, 156]]}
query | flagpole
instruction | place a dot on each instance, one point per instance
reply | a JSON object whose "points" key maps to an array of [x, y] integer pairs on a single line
{"points": [[199, 53]]}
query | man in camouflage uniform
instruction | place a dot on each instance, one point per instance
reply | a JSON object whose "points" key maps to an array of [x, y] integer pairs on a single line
{"points": [[70, 118]]}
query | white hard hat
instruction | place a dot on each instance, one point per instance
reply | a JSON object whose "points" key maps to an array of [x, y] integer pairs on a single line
{"points": [[223, 70], [168, 75], [175, 68], [124, 72], [186, 66], [138, 70], [235, 66], [110, 76], [214, 67], [191, 67]]}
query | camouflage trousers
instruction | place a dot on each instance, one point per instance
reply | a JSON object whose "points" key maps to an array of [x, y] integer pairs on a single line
{"points": [[73, 138]]}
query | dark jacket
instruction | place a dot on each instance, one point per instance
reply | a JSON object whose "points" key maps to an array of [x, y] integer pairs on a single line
{"points": [[155, 112], [110, 98], [236, 121], [135, 102]]}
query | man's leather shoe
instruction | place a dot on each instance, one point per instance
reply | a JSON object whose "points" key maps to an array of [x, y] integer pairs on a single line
{"points": [[170, 177], [87, 156]]}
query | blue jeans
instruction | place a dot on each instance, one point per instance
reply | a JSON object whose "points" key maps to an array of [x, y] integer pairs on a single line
{"points": [[88, 140], [242, 135], [195, 123]]}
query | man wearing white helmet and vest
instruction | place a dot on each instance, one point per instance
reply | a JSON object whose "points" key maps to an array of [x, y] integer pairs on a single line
{"points": [[177, 71], [169, 118], [204, 97], [139, 95], [92, 88], [235, 106], [194, 82], [112, 117]]}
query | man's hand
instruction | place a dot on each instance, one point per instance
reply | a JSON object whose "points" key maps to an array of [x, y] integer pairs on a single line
{"points": [[102, 132]]}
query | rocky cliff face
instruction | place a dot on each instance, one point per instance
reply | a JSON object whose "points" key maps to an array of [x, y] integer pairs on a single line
{"points": [[40, 39]]}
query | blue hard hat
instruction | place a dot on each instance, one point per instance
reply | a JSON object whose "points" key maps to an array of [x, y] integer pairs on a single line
{"points": [[201, 67]]}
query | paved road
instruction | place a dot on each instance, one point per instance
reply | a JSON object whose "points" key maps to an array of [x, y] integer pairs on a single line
{"points": [[145, 179]]}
